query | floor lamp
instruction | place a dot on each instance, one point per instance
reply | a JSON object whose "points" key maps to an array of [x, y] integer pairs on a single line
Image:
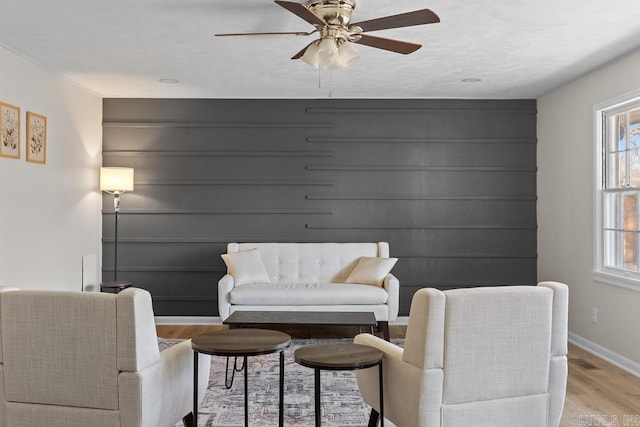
{"points": [[115, 180]]}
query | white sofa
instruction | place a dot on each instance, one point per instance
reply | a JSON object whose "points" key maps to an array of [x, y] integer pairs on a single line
{"points": [[311, 277], [78, 359]]}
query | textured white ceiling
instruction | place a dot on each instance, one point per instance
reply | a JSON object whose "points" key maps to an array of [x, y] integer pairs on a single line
{"points": [[122, 48]]}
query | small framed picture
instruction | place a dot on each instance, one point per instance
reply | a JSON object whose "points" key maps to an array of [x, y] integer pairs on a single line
{"points": [[36, 138], [9, 131]]}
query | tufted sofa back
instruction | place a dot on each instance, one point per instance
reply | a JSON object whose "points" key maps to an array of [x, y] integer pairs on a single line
{"points": [[311, 262]]}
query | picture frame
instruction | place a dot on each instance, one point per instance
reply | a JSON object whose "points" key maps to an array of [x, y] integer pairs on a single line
{"points": [[36, 138], [9, 131]]}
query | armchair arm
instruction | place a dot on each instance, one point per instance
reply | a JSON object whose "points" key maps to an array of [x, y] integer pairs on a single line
{"points": [[403, 382], [225, 285], [162, 394], [392, 285], [389, 349]]}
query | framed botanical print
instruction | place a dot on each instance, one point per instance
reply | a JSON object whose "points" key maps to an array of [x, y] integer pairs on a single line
{"points": [[9, 131], [36, 138]]}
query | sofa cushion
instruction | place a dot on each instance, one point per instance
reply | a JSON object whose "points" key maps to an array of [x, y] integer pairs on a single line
{"points": [[371, 270], [246, 267], [307, 294]]}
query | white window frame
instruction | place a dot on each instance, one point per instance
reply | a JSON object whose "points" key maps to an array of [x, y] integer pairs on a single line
{"points": [[612, 276]]}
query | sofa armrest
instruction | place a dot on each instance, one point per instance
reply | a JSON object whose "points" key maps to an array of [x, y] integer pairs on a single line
{"points": [[392, 285], [162, 394], [225, 285]]}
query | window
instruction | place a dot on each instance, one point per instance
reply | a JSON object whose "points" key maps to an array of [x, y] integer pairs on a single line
{"points": [[618, 193]]}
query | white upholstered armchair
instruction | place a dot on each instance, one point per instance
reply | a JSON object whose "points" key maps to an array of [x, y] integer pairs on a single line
{"points": [[74, 359], [482, 357]]}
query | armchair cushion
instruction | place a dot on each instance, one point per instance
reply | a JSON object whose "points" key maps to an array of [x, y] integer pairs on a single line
{"points": [[371, 270]]}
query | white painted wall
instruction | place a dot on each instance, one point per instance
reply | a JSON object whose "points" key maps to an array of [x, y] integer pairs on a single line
{"points": [[566, 209], [50, 214]]}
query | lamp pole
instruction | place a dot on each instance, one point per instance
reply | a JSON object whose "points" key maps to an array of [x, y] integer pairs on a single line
{"points": [[116, 208]]}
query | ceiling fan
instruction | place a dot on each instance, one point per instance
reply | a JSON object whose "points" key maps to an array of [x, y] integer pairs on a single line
{"points": [[331, 18]]}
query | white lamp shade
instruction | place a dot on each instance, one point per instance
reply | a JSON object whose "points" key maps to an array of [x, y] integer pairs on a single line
{"points": [[348, 54], [116, 179], [328, 54], [310, 55]]}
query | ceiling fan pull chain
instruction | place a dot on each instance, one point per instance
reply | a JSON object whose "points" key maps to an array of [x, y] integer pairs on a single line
{"points": [[326, 71]]}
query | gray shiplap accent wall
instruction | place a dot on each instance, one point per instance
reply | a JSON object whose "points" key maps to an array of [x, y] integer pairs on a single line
{"points": [[450, 184]]}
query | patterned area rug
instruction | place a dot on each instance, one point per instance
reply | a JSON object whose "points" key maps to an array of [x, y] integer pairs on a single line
{"points": [[342, 405]]}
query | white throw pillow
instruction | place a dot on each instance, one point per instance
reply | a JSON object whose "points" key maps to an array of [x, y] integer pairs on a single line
{"points": [[246, 267], [371, 270]]}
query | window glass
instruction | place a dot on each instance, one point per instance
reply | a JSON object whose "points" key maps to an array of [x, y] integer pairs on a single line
{"points": [[619, 214], [630, 234]]}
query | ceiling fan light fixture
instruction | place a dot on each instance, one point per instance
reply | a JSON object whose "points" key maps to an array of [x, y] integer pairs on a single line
{"points": [[331, 53], [349, 55], [328, 53], [311, 56]]}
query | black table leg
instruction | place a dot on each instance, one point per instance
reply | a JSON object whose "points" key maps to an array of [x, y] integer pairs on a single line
{"points": [[317, 396], [381, 395], [281, 409], [195, 388], [246, 394]]}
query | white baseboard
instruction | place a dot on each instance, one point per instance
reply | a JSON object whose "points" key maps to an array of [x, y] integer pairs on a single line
{"points": [[606, 354], [216, 320]]}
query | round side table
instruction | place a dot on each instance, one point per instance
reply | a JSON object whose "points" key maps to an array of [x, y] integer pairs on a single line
{"points": [[115, 285], [339, 357], [240, 343]]}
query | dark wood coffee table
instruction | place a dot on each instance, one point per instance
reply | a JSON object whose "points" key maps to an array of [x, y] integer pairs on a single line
{"points": [[240, 343], [239, 319], [339, 357]]}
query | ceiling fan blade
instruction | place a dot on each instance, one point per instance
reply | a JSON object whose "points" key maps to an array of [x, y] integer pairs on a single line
{"points": [[301, 10], [299, 54], [295, 33], [388, 44], [417, 17]]}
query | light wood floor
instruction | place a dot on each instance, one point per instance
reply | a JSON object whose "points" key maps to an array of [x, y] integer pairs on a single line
{"points": [[598, 393]]}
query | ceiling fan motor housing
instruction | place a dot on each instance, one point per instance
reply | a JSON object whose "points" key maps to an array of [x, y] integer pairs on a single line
{"points": [[333, 12]]}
